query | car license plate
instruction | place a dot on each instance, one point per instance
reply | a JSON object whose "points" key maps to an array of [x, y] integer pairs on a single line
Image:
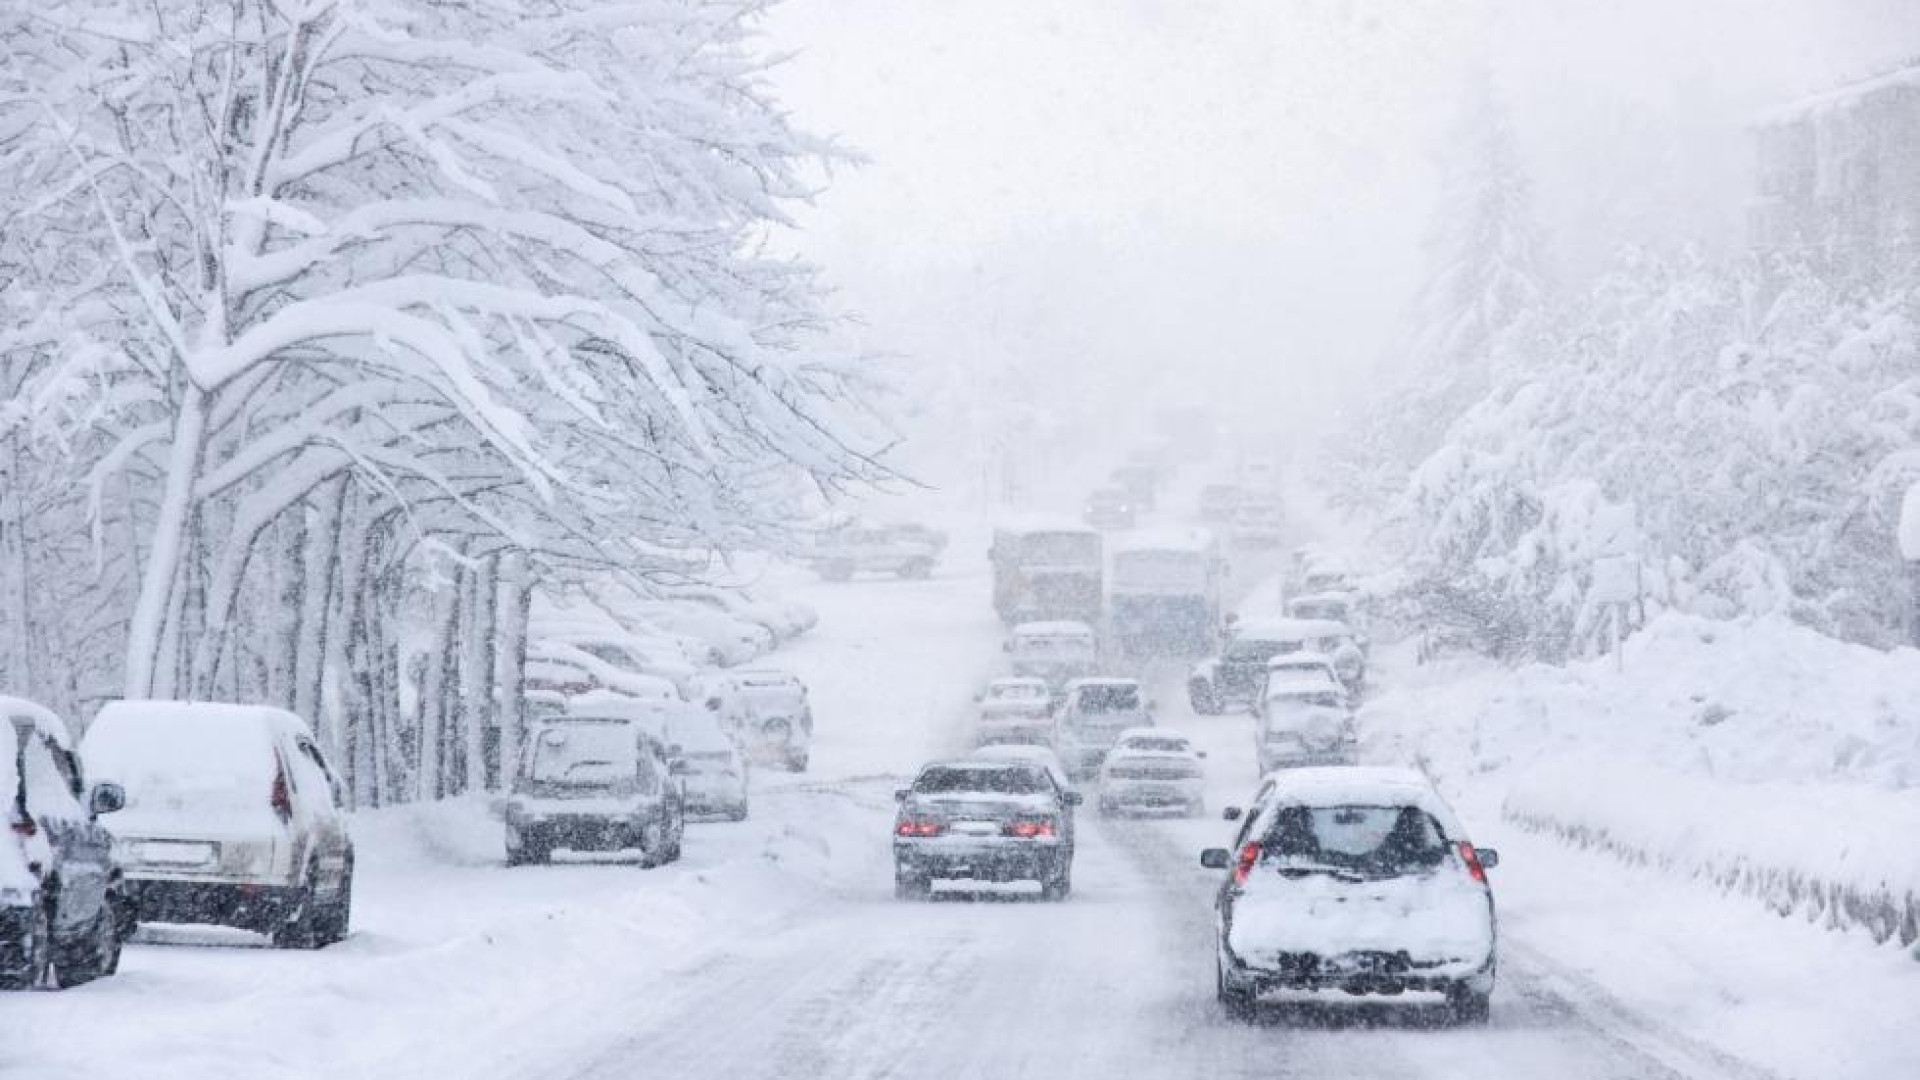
{"points": [[975, 828], [175, 853]]}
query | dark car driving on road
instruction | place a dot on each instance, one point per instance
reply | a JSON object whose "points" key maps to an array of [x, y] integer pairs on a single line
{"points": [[980, 820]]}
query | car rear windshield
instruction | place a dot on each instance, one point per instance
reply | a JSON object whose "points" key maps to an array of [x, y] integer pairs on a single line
{"points": [[1371, 841], [1102, 698], [1257, 650], [1155, 744], [1010, 780], [585, 754]]}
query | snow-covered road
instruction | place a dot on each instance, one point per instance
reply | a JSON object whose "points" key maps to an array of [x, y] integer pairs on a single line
{"points": [[777, 950]]}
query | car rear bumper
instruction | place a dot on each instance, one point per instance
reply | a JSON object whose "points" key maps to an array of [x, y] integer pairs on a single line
{"points": [[581, 833], [1360, 973], [1150, 794], [261, 908], [1014, 860]]}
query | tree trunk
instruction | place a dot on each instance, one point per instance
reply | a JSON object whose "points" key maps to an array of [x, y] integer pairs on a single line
{"points": [[510, 663], [476, 669], [162, 572]]}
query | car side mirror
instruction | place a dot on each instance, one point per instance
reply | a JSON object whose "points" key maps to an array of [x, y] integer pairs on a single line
{"points": [[1216, 858], [1071, 798], [107, 798], [1488, 857], [900, 794], [1231, 813]]}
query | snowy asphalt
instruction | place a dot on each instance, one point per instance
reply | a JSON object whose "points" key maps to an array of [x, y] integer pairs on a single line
{"points": [[777, 950]]}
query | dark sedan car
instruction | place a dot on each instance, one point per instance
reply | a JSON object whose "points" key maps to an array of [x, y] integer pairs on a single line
{"points": [[980, 820]]}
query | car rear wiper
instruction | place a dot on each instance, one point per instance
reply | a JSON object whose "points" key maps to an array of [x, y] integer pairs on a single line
{"points": [[1342, 873]]}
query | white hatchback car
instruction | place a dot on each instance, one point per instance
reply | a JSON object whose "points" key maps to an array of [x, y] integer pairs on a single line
{"points": [[1152, 769], [1357, 880], [1017, 710]]}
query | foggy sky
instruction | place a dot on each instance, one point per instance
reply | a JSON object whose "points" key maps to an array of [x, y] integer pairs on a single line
{"points": [[1079, 203]]}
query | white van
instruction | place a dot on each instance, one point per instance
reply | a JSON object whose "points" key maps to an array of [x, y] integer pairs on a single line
{"points": [[232, 817]]}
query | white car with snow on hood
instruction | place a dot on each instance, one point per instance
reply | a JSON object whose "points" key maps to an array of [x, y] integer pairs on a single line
{"points": [[1152, 769], [1304, 723], [232, 817], [1092, 718], [767, 711], [1017, 710], [598, 783], [1359, 881], [1297, 670], [715, 771]]}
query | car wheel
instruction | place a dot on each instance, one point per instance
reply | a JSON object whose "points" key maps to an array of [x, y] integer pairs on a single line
{"points": [[653, 845], [737, 813], [1236, 1000], [301, 930], [1469, 1008], [798, 762], [1058, 886], [911, 886], [336, 918], [96, 954], [27, 966]]}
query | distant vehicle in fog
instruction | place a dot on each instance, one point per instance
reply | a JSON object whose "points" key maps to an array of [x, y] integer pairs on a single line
{"points": [[1152, 769], [233, 817], [593, 783], [1017, 710], [767, 711], [1108, 509], [1092, 718], [1047, 570], [908, 551], [63, 904], [1164, 592], [982, 820], [1259, 521], [1323, 854], [1056, 653], [1219, 503], [1236, 677], [1310, 670], [1302, 723], [1259, 474], [1141, 482]]}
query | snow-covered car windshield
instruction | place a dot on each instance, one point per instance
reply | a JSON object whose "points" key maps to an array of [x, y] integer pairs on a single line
{"points": [[585, 754], [1107, 698]]}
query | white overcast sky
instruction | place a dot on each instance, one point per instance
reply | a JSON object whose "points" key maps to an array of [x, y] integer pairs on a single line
{"points": [[1116, 194]]}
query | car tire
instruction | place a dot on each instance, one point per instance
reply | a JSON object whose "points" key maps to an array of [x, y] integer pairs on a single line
{"points": [[336, 918], [908, 886], [798, 762], [653, 845], [36, 954], [1058, 885], [737, 813], [1236, 1000], [1469, 1007], [302, 930], [529, 853], [95, 955]]}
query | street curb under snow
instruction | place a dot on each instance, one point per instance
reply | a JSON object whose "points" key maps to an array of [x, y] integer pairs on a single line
{"points": [[1745, 841]]}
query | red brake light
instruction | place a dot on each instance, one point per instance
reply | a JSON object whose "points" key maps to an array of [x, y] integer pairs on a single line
{"points": [[281, 798], [1472, 859], [918, 827], [1030, 830], [1248, 856], [24, 827]]}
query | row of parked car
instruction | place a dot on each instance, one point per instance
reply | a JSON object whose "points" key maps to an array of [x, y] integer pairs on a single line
{"points": [[232, 815]]}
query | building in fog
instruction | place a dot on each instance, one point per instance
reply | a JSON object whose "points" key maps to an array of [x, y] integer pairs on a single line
{"points": [[1838, 179]]}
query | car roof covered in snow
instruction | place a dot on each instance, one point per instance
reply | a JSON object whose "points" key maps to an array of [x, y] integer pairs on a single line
{"points": [[1102, 680], [1284, 661], [1361, 785], [1056, 628], [1043, 523], [41, 717], [1288, 629], [1198, 541], [173, 713], [1151, 733]]}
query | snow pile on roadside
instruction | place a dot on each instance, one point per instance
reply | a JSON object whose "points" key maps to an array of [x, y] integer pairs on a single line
{"points": [[1759, 755]]}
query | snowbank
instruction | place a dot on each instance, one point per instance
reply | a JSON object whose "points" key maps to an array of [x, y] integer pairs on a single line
{"points": [[1759, 756]]}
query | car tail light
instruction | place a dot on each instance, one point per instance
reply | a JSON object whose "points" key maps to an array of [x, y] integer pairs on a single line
{"points": [[1030, 830], [1248, 856], [918, 827], [24, 827], [1472, 859], [281, 797]]}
